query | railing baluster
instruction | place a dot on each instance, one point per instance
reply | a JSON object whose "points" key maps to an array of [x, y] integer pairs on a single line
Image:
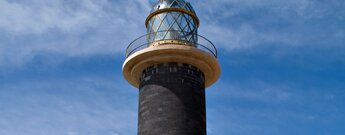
{"points": [[143, 42]]}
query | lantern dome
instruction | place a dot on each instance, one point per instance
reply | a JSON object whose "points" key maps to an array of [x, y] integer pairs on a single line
{"points": [[172, 20], [162, 4]]}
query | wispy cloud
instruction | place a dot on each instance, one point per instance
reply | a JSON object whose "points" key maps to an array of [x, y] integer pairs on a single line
{"points": [[36, 17], [245, 24], [67, 28]]}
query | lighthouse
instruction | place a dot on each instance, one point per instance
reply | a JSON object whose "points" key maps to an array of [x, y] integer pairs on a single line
{"points": [[171, 65]]}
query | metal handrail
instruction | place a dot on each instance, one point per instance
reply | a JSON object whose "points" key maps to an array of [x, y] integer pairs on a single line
{"points": [[142, 42]]}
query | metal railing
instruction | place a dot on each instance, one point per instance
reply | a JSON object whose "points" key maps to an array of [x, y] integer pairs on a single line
{"points": [[144, 42]]}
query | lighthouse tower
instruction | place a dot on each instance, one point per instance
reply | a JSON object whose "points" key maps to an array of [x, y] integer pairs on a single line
{"points": [[171, 65]]}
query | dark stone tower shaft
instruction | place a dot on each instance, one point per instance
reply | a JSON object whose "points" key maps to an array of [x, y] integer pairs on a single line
{"points": [[172, 100]]}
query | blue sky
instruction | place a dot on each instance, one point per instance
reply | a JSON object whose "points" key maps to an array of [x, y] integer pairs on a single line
{"points": [[282, 66]]}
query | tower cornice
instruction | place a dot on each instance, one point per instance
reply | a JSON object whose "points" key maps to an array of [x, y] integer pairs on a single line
{"points": [[135, 64]]}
